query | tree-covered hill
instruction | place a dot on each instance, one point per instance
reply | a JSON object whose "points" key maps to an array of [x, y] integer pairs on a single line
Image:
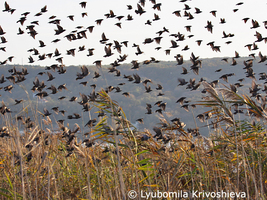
{"points": [[164, 73]]}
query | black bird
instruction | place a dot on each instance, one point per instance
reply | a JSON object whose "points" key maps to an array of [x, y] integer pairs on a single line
{"points": [[2, 31], [73, 99], [185, 107], [129, 18], [213, 12], [126, 94], [7, 8], [50, 76], [182, 81], [157, 6], [159, 111], [163, 106], [90, 28], [198, 11], [104, 39], [158, 132], [84, 14], [255, 24], [201, 118], [84, 83], [140, 120], [118, 89], [3, 39], [137, 78], [184, 70], [84, 73], [174, 44], [96, 75], [18, 101], [177, 13], [148, 89], [98, 21], [53, 89], [159, 87], [91, 123], [224, 77], [181, 100], [71, 17], [98, 63], [245, 19], [44, 9], [199, 42], [83, 4], [46, 112], [90, 52], [186, 7], [42, 44], [62, 86], [156, 17], [149, 111], [108, 51], [20, 31], [2, 79], [222, 21], [148, 22], [209, 26], [63, 97], [59, 30], [139, 51], [139, 10], [234, 62], [262, 58]]}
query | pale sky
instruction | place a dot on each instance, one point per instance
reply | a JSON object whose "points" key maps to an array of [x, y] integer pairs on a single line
{"points": [[134, 31]]}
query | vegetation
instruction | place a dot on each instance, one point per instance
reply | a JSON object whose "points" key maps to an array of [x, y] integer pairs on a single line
{"points": [[114, 157]]}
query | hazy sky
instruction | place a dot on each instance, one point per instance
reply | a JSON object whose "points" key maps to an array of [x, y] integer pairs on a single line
{"points": [[134, 31]]}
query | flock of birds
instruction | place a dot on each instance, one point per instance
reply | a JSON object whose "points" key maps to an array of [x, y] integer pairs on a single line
{"points": [[41, 88]]}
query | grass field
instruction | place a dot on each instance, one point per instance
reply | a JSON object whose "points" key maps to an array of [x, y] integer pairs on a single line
{"points": [[115, 158]]}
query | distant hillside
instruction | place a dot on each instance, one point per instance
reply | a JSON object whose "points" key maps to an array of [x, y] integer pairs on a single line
{"points": [[163, 73]]}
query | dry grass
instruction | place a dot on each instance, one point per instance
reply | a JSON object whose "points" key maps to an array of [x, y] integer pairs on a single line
{"points": [[39, 164]]}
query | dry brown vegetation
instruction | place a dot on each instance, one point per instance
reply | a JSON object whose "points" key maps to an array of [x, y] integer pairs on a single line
{"points": [[117, 158]]}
